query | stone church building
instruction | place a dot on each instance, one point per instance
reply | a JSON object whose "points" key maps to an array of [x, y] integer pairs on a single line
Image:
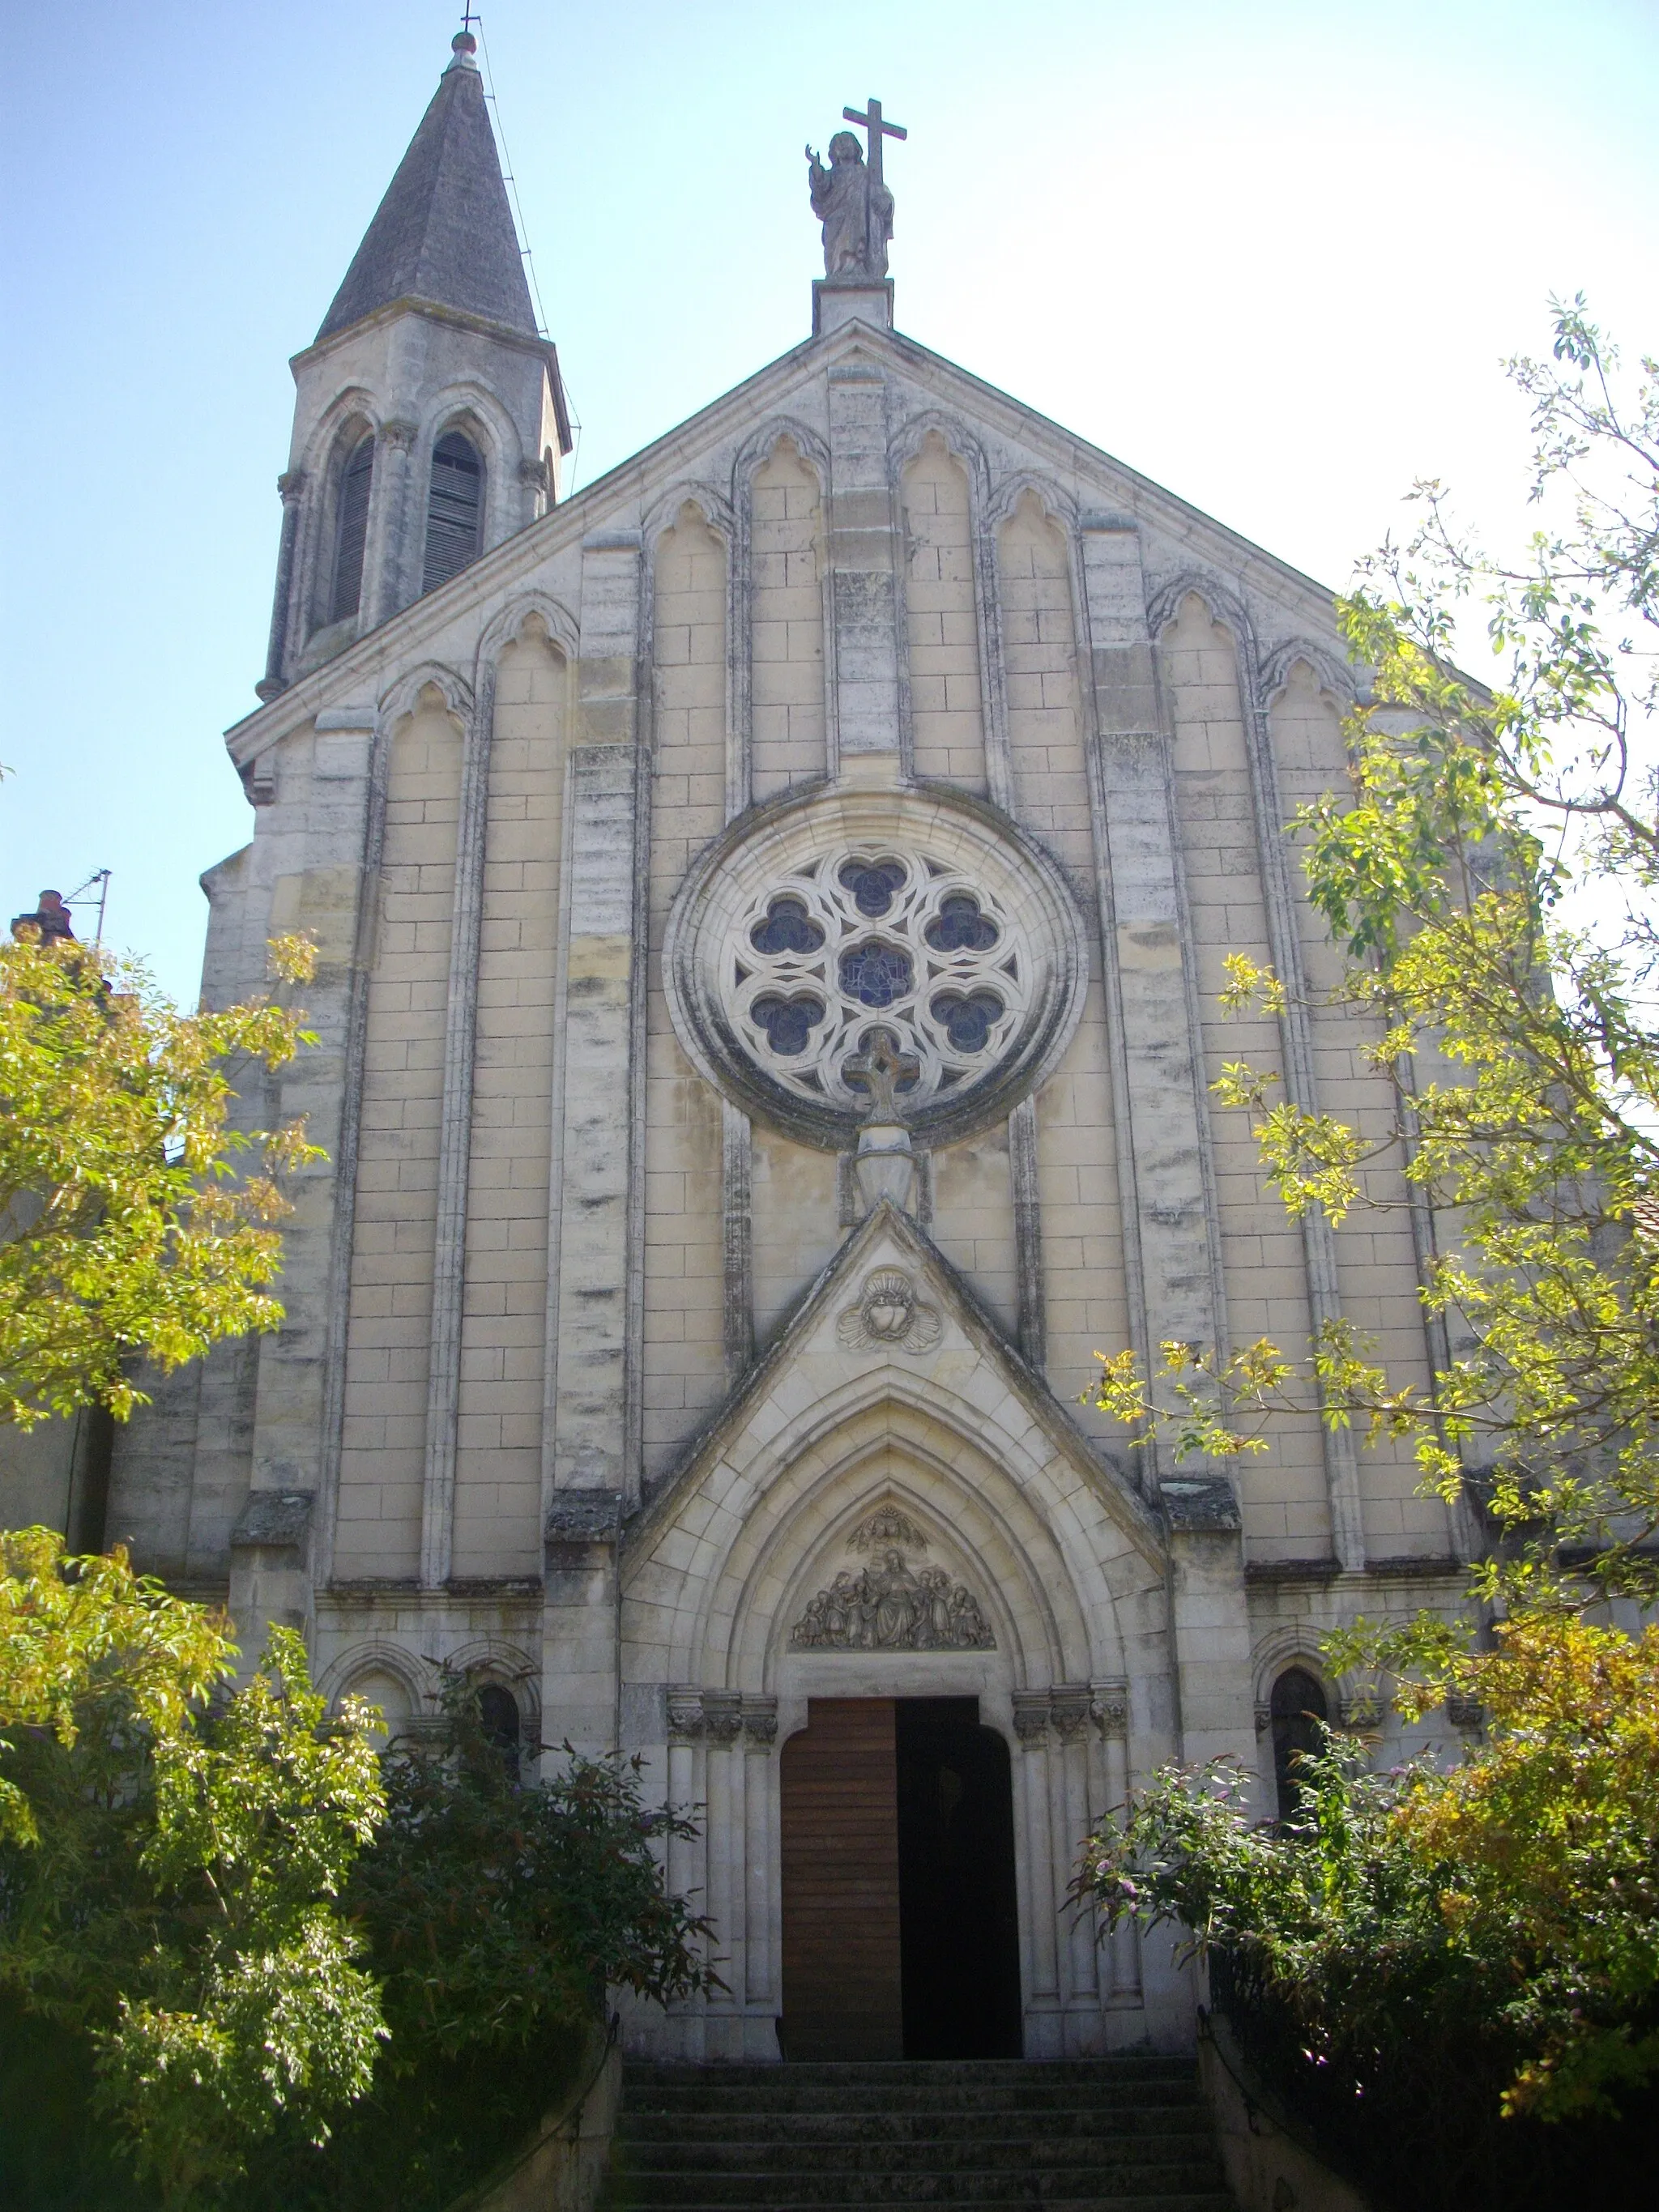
{"points": [[771, 907]]}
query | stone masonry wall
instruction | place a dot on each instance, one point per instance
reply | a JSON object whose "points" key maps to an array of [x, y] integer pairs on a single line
{"points": [[684, 1360], [389, 1329], [786, 614], [941, 622], [498, 1457]]}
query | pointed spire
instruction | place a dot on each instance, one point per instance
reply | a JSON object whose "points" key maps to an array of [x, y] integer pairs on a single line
{"points": [[444, 232]]}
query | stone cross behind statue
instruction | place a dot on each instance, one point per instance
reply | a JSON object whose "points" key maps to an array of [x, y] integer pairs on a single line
{"points": [[879, 1069], [851, 201]]}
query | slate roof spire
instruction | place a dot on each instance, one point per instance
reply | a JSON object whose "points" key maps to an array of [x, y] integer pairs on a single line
{"points": [[444, 232]]}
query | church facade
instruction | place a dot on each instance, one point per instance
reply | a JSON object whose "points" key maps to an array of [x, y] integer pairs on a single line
{"points": [[771, 909]]}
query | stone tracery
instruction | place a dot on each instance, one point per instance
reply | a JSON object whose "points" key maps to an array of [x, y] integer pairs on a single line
{"points": [[819, 920], [942, 964]]}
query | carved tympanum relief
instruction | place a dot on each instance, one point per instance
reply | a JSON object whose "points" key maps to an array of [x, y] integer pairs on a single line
{"points": [[889, 1315], [890, 1606], [888, 1524], [817, 923]]}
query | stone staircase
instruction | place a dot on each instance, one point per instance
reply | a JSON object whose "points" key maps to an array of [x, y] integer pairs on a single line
{"points": [[1074, 2136]]}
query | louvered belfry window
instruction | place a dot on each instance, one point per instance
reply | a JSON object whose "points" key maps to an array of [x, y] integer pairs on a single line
{"points": [[454, 510], [354, 480]]}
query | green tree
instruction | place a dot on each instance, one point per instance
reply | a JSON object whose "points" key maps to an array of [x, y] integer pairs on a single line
{"points": [[135, 1222], [171, 1860], [1490, 874], [496, 1916], [1512, 1903]]}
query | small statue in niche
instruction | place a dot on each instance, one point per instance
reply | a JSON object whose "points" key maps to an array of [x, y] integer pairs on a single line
{"points": [[856, 210]]}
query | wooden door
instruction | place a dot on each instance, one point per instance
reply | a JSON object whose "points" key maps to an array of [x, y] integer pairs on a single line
{"points": [[844, 1991]]}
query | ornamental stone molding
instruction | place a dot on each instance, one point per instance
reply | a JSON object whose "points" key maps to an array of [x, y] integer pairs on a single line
{"points": [[888, 1317], [816, 921], [1070, 1709], [720, 1717]]}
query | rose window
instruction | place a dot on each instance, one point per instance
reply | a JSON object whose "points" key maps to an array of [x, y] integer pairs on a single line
{"points": [[852, 943], [914, 922]]}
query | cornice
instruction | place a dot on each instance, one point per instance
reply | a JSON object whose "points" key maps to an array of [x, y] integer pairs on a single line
{"points": [[435, 311]]}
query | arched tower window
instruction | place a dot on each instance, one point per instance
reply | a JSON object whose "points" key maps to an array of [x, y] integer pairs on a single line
{"points": [[1299, 1707], [454, 510], [498, 1722], [351, 530]]}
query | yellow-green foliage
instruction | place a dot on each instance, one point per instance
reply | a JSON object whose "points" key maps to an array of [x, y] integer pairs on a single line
{"points": [[135, 1219], [170, 1859], [1548, 1847]]}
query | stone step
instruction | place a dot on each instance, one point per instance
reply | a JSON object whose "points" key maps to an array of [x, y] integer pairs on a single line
{"points": [[827, 2186], [987, 2154], [1126, 2066], [1117, 2135], [943, 2099], [694, 2125], [1203, 2200]]}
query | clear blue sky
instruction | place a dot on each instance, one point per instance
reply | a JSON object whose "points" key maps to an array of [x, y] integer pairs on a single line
{"points": [[1270, 254]]}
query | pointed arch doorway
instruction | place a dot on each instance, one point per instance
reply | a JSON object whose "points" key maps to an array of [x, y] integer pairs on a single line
{"points": [[901, 1934]]}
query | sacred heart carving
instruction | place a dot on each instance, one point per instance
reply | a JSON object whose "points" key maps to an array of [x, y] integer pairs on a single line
{"points": [[890, 1314]]}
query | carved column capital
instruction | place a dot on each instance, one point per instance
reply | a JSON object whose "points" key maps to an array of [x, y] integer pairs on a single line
{"points": [[290, 484], [1110, 1708], [1363, 1714], [722, 1716], [398, 436], [1069, 1709], [1031, 1717], [533, 474], [685, 1719], [760, 1722]]}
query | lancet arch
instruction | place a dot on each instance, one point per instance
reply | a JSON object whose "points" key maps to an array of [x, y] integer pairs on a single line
{"points": [[505, 629], [1059, 1568], [1222, 602]]}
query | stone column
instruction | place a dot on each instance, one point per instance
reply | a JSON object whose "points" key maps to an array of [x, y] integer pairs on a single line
{"points": [[273, 682], [1069, 1704], [686, 1870], [533, 488], [455, 1145], [384, 556], [724, 1830], [1171, 1232], [761, 1809], [1044, 2039], [594, 1135], [865, 571], [1110, 1711], [1027, 1230]]}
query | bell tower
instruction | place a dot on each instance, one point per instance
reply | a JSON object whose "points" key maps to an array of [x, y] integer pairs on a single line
{"points": [[429, 420]]}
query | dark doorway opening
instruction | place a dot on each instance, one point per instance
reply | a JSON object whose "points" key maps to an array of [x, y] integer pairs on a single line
{"points": [[958, 1914]]}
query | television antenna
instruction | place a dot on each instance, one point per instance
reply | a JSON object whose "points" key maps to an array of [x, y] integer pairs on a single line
{"points": [[86, 895]]}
